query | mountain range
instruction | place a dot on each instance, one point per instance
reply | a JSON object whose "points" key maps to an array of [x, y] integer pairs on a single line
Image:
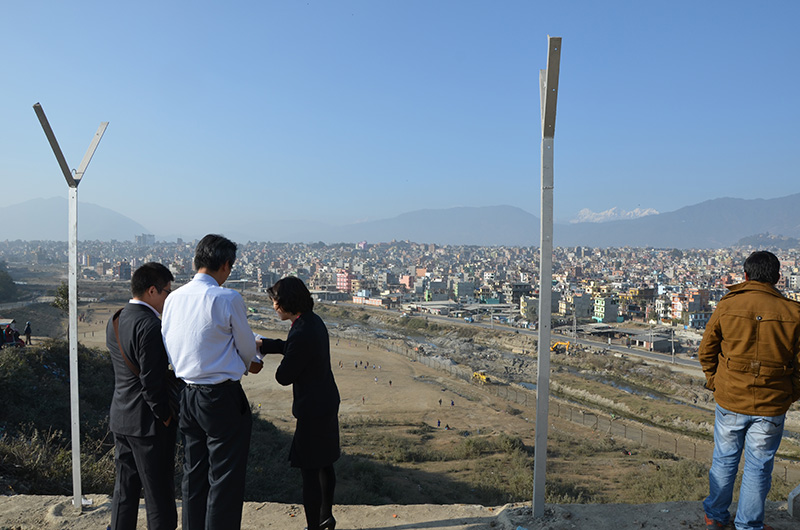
{"points": [[715, 223]]}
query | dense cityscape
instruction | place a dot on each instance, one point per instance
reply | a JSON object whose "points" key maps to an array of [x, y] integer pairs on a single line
{"points": [[606, 285]]}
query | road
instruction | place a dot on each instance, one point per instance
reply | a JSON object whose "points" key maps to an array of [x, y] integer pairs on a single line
{"points": [[597, 344]]}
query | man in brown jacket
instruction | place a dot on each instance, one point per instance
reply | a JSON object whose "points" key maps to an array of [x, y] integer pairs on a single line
{"points": [[751, 359]]}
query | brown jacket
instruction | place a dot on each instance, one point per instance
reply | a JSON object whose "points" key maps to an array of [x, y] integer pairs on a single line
{"points": [[750, 352]]}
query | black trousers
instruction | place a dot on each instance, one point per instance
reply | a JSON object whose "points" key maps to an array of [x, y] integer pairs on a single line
{"points": [[216, 424], [145, 463]]}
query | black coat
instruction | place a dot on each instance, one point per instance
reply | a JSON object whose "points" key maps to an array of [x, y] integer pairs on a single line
{"points": [[138, 401], [306, 365]]}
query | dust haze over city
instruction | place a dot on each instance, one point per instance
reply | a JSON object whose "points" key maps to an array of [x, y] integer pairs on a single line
{"points": [[388, 155]]}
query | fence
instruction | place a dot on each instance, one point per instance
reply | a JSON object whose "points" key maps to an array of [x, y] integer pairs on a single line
{"points": [[602, 423]]}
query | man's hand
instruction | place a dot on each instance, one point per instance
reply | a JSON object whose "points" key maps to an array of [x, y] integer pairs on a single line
{"points": [[256, 367]]}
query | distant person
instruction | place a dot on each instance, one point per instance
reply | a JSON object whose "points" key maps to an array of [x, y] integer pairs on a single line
{"points": [[140, 417], [211, 347], [750, 354], [306, 365], [27, 332]]}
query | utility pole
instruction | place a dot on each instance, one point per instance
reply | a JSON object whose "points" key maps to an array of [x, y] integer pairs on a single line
{"points": [[548, 94], [672, 343], [72, 182]]}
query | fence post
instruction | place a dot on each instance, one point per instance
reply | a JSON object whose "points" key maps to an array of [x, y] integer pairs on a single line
{"points": [[641, 437]]}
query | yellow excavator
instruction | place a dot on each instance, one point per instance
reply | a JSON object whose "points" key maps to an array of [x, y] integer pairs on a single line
{"points": [[560, 347], [481, 377]]}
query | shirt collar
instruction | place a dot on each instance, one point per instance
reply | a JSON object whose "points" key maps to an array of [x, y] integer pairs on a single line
{"points": [[205, 278], [140, 302]]}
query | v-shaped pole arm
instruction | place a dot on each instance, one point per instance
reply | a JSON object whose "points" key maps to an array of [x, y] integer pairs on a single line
{"points": [[62, 162], [90, 152], [51, 137]]}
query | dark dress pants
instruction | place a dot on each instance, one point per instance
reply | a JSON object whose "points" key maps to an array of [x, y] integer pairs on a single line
{"points": [[216, 423], [147, 463]]}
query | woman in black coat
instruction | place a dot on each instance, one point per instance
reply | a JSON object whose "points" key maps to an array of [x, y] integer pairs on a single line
{"points": [[306, 365]]}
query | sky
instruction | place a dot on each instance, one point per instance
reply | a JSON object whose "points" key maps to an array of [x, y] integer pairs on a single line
{"points": [[223, 114]]}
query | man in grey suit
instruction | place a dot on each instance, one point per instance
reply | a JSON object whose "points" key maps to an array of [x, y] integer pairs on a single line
{"points": [[140, 417]]}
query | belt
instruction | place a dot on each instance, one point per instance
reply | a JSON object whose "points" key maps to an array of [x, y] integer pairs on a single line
{"points": [[214, 385], [757, 368]]}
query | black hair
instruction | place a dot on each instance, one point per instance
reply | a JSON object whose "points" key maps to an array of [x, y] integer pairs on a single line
{"points": [[291, 295], [150, 275], [213, 251], [763, 266]]}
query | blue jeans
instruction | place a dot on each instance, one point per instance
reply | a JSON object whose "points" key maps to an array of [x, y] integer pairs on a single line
{"points": [[760, 437]]}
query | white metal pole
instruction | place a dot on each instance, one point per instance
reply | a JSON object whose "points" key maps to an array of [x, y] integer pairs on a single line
{"points": [[73, 348], [548, 91], [72, 182]]}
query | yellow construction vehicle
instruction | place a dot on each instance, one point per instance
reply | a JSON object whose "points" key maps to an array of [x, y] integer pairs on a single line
{"points": [[560, 347], [481, 377]]}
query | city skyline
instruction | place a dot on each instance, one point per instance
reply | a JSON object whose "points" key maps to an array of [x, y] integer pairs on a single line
{"points": [[352, 111]]}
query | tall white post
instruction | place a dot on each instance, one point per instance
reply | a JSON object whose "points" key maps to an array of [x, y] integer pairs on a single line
{"points": [[73, 348], [72, 182], [548, 91]]}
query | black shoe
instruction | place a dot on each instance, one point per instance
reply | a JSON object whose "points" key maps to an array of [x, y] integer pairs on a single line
{"points": [[328, 524]]}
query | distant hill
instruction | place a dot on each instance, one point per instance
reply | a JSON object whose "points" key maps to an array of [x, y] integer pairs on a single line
{"points": [[711, 224], [46, 219], [489, 225]]}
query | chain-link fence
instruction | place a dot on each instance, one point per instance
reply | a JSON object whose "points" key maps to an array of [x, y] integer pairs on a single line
{"points": [[620, 428]]}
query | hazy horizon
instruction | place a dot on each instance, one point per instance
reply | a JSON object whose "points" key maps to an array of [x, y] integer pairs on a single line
{"points": [[355, 110]]}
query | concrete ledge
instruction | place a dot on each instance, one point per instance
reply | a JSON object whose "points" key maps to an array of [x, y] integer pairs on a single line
{"points": [[793, 506]]}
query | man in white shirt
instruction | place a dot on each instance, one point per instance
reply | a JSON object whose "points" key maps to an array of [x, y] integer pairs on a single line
{"points": [[211, 347]]}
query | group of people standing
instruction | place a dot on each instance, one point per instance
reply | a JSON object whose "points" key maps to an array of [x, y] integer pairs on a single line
{"points": [[750, 354], [204, 335]]}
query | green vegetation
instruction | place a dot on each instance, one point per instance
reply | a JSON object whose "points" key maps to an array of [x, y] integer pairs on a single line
{"points": [[62, 297], [8, 289]]}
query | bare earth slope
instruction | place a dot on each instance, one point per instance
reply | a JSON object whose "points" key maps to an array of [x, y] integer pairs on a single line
{"points": [[28, 512]]}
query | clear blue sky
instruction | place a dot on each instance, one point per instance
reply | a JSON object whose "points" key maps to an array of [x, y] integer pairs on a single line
{"points": [[223, 113]]}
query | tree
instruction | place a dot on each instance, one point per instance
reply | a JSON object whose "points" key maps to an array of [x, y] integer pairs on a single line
{"points": [[62, 297], [8, 289]]}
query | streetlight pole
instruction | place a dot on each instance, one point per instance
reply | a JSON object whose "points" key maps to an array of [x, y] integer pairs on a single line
{"points": [[72, 182], [548, 94]]}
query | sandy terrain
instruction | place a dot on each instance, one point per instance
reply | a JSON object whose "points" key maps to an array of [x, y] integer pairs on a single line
{"points": [[414, 394]]}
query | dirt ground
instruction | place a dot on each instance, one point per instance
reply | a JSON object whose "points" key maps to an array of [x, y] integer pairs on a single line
{"points": [[413, 395]]}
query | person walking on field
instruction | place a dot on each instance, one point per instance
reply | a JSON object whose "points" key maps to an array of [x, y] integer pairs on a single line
{"points": [[27, 332], [750, 354]]}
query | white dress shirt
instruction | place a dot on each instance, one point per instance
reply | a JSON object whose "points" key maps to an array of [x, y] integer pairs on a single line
{"points": [[206, 332]]}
